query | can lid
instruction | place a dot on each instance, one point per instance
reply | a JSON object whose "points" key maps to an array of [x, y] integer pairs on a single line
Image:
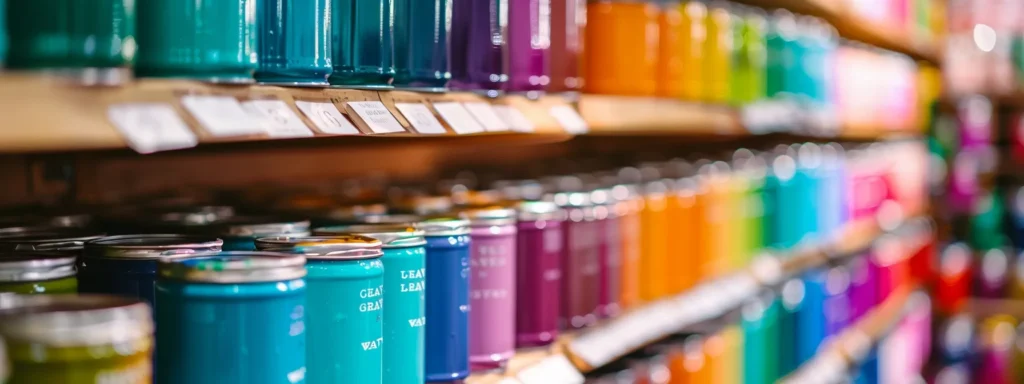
{"points": [[74, 320], [571, 199], [391, 219], [342, 247], [233, 267], [55, 239], [35, 266], [477, 197], [390, 235], [488, 216], [444, 226], [355, 212], [260, 226], [150, 246], [423, 204], [540, 210]]}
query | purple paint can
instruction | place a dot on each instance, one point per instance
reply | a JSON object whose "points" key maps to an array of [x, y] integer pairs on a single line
{"points": [[863, 296], [993, 276], [492, 295], [538, 272], [609, 243], [529, 38], [581, 261]]}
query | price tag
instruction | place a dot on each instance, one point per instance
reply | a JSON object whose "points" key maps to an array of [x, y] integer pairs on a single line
{"points": [[484, 113], [553, 369], [515, 119], [327, 117], [376, 116], [222, 115], [458, 118], [421, 118], [569, 119], [278, 117], [770, 116], [151, 127]]}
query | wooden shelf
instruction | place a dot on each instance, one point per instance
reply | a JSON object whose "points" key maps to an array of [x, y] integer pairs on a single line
{"points": [[852, 26], [623, 115], [44, 114]]}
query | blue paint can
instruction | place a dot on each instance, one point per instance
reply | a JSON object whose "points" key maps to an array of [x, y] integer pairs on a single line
{"points": [[126, 264], [447, 295], [231, 317]]}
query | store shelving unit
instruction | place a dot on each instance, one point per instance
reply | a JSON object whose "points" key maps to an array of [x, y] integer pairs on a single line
{"points": [[592, 348]]}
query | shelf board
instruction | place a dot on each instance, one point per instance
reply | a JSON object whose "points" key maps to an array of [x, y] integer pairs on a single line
{"points": [[852, 26], [624, 115], [44, 114]]}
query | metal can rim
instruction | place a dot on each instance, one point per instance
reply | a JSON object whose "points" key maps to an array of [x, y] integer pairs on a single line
{"points": [[489, 216], [254, 226], [444, 226], [69, 320], [58, 239], [259, 267], [540, 210], [35, 266], [343, 247], [161, 245], [390, 235]]}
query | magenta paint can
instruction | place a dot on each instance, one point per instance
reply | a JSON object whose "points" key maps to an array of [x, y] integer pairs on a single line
{"points": [[538, 272], [581, 261], [492, 287], [609, 243], [863, 291]]}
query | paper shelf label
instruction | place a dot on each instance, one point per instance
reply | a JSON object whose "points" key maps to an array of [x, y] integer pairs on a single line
{"points": [[515, 119], [421, 118], [569, 119], [222, 115], [458, 118], [327, 118], [376, 116], [151, 127], [280, 120], [552, 369], [485, 115]]}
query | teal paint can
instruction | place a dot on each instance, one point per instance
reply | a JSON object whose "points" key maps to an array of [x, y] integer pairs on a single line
{"points": [[231, 318], [295, 41], [211, 41], [240, 232], [344, 310], [404, 296], [362, 42], [88, 40]]}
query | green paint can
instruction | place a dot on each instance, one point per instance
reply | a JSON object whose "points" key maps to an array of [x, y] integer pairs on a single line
{"points": [[77, 339], [32, 273], [90, 40]]}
